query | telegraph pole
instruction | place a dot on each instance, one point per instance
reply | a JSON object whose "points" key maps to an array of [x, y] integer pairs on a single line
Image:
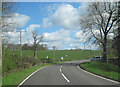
{"points": [[54, 52], [91, 51], [21, 42], [20, 45], [84, 50]]}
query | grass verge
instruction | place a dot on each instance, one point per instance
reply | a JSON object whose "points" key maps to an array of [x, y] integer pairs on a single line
{"points": [[103, 69], [0, 75], [17, 77]]}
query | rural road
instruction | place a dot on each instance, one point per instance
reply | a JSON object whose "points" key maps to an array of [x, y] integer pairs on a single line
{"points": [[66, 74]]}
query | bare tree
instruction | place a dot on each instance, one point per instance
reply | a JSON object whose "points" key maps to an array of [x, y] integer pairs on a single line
{"points": [[100, 22], [37, 40]]}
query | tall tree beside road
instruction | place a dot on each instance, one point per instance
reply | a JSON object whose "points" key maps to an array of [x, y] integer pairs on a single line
{"points": [[116, 40], [0, 34], [100, 21], [6, 8], [37, 40]]}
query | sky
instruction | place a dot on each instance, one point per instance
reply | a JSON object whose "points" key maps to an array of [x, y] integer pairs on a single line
{"points": [[59, 23]]}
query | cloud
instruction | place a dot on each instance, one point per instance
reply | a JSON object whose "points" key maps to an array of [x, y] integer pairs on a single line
{"points": [[80, 36], [26, 36], [58, 38], [32, 27], [20, 19], [16, 20], [83, 8], [62, 40], [61, 35], [46, 23], [65, 16]]}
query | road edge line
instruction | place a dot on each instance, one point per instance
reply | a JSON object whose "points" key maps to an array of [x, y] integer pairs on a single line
{"points": [[98, 75], [30, 76]]}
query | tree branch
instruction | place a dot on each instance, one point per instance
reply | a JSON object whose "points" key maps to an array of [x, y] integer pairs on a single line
{"points": [[95, 36]]}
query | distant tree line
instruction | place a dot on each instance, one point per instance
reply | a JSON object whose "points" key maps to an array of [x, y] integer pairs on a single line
{"points": [[25, 47]]}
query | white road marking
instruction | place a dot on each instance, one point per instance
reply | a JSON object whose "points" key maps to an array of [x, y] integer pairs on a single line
{"points": [[60, 69], [98, 76], [65, 77], [30, 76]]}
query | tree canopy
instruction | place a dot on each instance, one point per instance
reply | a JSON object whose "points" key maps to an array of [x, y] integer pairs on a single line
{"points": [[100, 22]]}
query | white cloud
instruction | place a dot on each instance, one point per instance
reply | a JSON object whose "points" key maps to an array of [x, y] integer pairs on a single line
{"points": [[20, 19], [82, 45], [57, 38], [16, 20], [66, 16], [46, 23], [80, 36], [32, 27], [61, 35], [83, 8], [26, 36], [62, 40]]}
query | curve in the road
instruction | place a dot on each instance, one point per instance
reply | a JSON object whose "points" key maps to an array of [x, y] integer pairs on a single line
{"points": [[65, 74]]}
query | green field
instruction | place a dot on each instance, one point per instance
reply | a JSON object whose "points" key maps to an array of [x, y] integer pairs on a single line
{"points": [[71, 55], [104, 69]]}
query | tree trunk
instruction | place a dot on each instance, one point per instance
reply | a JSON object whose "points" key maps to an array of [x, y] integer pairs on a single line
{"points": [[104, 54], [1, 36], [0, 47], [35, 50]]}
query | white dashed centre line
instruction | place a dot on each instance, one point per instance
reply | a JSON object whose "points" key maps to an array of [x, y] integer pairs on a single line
{"points": [[64, 75], [60, 69]]}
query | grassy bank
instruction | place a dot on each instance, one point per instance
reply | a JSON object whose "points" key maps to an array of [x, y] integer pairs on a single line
{"points": [[16, 77], [104, 69]]}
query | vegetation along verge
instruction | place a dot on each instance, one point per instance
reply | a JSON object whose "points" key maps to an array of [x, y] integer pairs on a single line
{"points": [[103, 69], [17, 77]]}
